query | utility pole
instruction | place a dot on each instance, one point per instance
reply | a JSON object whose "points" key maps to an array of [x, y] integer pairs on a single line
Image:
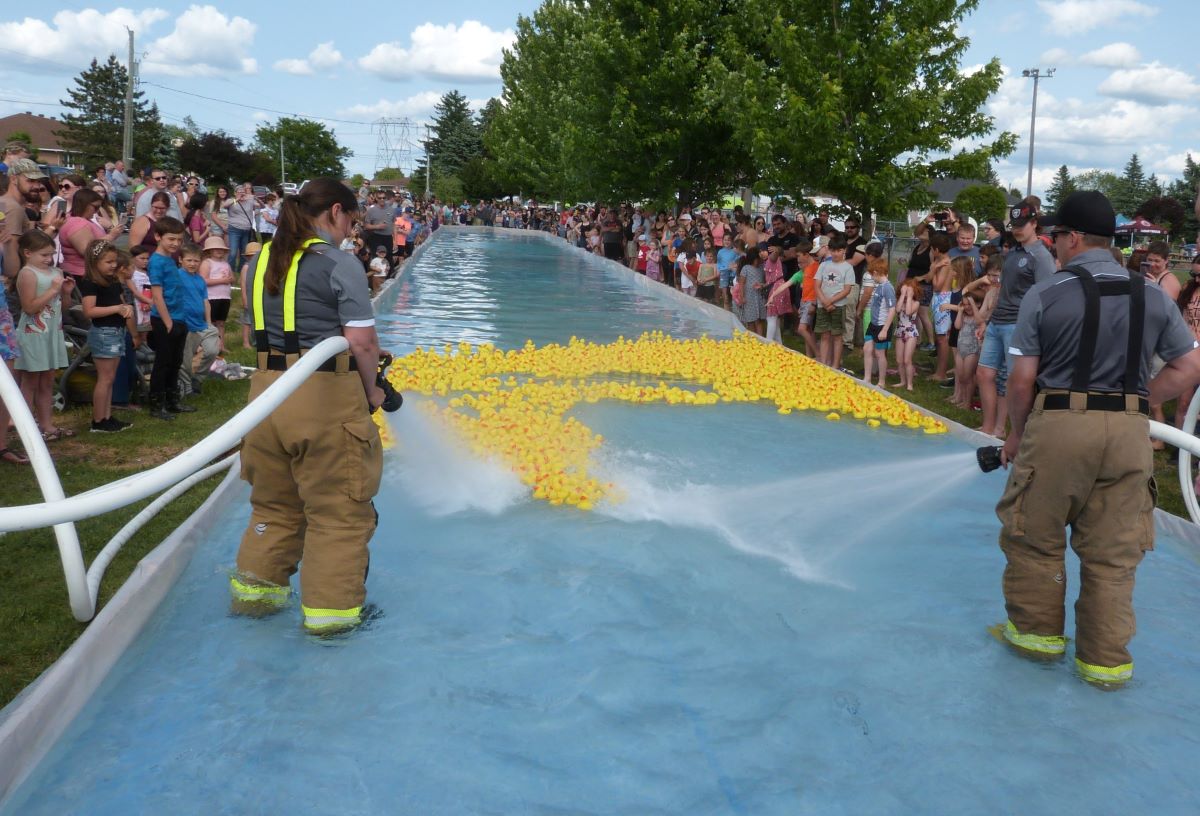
{"points": [[428, 163], [1037, 74], [282, 174], [131, 76]]}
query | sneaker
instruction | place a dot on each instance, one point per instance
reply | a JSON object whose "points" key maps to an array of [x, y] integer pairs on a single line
{"points": [[105, 426], [929, 347], [118, 424]]}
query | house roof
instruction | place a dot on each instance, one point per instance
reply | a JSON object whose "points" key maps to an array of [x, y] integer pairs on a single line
{"points": [[40, 129]]}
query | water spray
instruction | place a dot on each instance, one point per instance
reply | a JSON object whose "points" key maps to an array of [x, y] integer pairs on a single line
{"points": [[988, 457]]}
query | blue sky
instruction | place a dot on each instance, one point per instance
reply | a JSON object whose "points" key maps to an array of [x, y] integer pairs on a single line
{"points": [[1127, 80]]}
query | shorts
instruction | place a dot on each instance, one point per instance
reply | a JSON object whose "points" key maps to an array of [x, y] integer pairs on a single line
{"points": [[872, 336], [106, 342], [219, 309], [830, 322], [994, 354], [10, 349], [804, 315], [942, 319], [727, 276], [706, 291]]}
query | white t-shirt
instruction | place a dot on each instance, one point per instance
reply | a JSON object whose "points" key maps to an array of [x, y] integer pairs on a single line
{"points": [[379, 266]]}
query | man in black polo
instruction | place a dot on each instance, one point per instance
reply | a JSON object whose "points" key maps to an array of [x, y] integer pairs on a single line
{"points": [[1078, 394], [856, 256]]}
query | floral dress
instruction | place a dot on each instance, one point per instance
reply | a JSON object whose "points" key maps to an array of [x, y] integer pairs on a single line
{"points": [[752, 308], [781, 304]]}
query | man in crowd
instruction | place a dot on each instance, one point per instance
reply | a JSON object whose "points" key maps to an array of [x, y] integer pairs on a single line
{"points": [[158, 184], [856, 256], [25, 179], [122, 192]]}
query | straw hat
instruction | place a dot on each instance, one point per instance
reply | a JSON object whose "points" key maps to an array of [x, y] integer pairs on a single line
{"points": [[215, 242]]}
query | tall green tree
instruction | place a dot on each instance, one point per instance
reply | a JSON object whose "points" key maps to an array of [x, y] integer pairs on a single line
{"points": [[981, 201], [310, 148], [1062, 186], [1184, 190], [1131, 188], [1100, 180], [93, 129], [218, 157], [1164, 211], [454, 134], [616, 100], [861, 99]]}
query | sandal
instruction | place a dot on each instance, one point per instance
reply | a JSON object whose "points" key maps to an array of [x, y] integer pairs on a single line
{"points": [[57, 433], [12, 457]]}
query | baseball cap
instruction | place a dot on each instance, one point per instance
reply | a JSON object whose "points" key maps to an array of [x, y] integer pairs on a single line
{"points": [[685, 217], [1087, 211], [27, 168], [1021, 214]]}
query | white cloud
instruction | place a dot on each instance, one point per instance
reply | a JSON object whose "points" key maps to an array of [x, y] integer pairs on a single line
{"points": [[322, 58], [72, 38], [1078, 16], [1152, 84], [1113, 55], [204, 42], [416, 105], [1172, 164], [1057, 56], [467, 53]]}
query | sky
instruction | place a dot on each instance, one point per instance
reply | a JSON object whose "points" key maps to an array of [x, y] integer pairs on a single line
{"points": [[1127, 73]]}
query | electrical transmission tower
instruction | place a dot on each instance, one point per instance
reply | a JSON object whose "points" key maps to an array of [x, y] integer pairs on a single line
{"points": [[395, 145]]}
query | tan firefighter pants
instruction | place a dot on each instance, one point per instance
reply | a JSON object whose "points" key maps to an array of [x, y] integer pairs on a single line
{"points": [[1092, 471], [313, 466]]}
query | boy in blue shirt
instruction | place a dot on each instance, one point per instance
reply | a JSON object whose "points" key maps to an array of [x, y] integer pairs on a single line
{"points": [[726, 266], [168, 330], [197, 314]]}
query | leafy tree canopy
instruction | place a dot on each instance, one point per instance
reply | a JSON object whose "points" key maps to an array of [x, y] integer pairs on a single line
{"points": [[310, 149], [981, 202], [218, 157]]}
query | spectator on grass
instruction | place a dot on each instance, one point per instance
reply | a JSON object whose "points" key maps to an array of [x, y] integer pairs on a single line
{"points": [[158, 184], [80, 229]]}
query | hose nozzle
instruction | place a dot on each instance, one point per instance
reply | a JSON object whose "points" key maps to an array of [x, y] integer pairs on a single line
{"points": [[988, 457], [392, 399]]}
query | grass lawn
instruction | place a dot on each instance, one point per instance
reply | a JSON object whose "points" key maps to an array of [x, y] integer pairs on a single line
{"points": [[39, 625]]}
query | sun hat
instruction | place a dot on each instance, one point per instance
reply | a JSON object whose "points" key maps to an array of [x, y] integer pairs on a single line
{"points": [[215, 242]]}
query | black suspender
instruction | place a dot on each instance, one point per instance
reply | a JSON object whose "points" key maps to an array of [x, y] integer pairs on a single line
{"points": [[1093, 290]]}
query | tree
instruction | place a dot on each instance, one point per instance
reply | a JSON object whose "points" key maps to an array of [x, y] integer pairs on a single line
{"points": [[1165, 211], [1131, 188], [218, 157], [1062, 186], [455, 138], [310, 148], [981, 202], [860, 98], [1100, 180], [389, 174], [24, 138], [618, 101], [356, 180], [93, 131], [1184, 191]]}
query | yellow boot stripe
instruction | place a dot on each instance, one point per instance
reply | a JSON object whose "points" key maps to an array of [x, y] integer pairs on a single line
{"points": [[1104, 674], [1044, 644], [318, 619], [267, 593]]}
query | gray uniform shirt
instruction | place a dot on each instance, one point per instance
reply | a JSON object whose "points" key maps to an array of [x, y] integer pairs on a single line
{"points": [[1023, 267], [1051, 324], [331, 293]]}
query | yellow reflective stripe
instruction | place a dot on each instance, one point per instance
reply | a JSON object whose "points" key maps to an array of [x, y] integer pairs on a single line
{"points": [[329, 618], [268, 593], [1104, 674], [260, 269], [1045, 644], [289, 286]]}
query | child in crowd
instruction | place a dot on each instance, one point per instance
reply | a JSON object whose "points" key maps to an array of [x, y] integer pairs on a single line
{"points": [[806, 276], [940, 274], [727, 261], [379, 269], [127, 371], [781, 303], [906, 334], [883, 311], [218, 276], [707, 276], [966, 354], [836, 280], [140, 286], [41, 287], [643, 254], [687, 265], [654, 257], [168, 330], [202, 334], [752, 310], [104, 304], [10, 352], [247, 319]]}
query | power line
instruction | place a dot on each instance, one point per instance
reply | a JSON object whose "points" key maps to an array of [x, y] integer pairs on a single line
{"points": [[260, 107]]}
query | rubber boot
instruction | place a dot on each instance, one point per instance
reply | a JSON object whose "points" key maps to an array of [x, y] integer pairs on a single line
{"points": [[158, 408], [177, 406]]}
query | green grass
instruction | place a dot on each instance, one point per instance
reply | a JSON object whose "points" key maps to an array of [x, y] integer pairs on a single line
{"points": [[39, 626]]}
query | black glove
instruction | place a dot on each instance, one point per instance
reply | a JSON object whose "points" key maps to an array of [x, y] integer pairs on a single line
{"points": [[392, 399]]}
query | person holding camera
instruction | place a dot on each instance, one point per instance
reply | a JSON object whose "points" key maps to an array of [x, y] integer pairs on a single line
{"points": [[315, 463]]}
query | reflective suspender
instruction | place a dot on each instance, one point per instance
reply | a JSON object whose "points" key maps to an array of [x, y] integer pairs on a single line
{"points": [[291, 339], [1093, 290]]}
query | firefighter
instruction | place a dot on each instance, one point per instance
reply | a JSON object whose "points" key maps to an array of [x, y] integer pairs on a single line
{"points": [[1078, 397], [314, 465]]}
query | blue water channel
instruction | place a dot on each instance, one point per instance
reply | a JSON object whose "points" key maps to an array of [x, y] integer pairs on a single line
{"points": [[785, 616]]}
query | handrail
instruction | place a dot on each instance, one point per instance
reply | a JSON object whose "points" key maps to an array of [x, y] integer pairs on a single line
{"points": [[175, 476]]}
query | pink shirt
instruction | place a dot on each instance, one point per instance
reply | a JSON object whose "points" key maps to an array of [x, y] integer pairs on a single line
{"points": [[72, 261], [215, 270]]}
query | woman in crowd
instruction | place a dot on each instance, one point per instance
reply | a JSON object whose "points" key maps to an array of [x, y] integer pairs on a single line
{"points": [[142, 231], [79, 230], [218, 215], [195, 218], [106, 215]]}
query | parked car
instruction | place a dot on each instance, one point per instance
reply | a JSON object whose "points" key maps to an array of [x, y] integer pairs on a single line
{"points": [[261, 192], [289, 188]]}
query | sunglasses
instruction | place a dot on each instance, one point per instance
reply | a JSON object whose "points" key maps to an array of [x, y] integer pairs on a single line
{"points": [[66, 186], [158, 178]]}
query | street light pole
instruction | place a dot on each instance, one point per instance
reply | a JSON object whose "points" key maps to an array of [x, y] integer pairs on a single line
{"points": [[1037, 74], [428, 163]]}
